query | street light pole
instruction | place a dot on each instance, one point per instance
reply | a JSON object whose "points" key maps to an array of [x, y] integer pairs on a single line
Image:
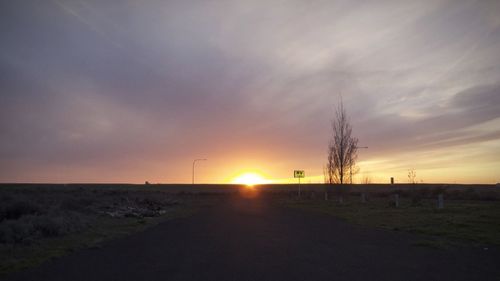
{"points": [[350, 167], [194, 162]]}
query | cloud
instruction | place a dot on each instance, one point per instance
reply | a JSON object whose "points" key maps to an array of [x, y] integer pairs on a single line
{"points": [[93, 85]]}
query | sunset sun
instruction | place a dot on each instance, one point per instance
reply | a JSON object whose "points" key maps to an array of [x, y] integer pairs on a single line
{"points": [[250, 179]]}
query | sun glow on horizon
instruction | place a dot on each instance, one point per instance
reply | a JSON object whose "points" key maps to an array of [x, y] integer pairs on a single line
{"points": [[250, 179]]}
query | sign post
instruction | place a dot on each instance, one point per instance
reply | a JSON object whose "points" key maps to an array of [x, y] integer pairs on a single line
{"points": [[299, 174]]}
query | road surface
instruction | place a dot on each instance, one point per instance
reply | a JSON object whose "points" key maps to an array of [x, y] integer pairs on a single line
{"points": [[255, 239]]}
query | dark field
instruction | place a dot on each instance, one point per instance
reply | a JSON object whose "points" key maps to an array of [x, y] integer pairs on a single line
{"points": [[268, 233], [38, 222]]}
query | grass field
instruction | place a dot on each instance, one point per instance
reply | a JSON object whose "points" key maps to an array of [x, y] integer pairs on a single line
{"points": [[460, 221]]}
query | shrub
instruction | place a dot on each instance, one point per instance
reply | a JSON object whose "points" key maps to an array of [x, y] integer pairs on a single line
{"points": [[29, 228], [46, 226], [74, 204], [16, 231], [17, 209]]}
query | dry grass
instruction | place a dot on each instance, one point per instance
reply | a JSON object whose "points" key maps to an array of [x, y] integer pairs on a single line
{"points": [[461, 221], [40, 222]]}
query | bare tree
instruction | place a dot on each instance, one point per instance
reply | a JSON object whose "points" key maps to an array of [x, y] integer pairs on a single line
{"points": [[412, 176], [342, 149]]}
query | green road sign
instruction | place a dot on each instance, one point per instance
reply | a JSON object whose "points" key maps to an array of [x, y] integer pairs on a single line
{"points": [[299, 174]]}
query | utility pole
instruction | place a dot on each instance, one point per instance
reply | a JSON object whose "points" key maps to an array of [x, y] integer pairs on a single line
{"points": [[350, 167], [194, 162]]}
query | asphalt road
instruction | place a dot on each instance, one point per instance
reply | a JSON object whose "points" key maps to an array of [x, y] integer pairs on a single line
{"points": [[254, 239]]}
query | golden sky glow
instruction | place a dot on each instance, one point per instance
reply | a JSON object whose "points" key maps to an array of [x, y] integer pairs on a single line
{"points": [[250, 179]]}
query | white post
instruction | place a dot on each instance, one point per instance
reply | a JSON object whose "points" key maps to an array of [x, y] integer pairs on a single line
{"points": [[440, 201]]}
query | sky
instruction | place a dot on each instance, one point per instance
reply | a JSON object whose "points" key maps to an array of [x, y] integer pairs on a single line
{"points": [[129, 91]]}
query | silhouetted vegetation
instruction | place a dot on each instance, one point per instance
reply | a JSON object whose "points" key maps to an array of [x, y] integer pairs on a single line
{"points": [[342, 149], [29, 214], [68, 217], [412, 176]]}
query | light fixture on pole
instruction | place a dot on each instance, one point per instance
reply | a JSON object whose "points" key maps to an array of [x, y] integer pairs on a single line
{"points": [[194, 162]]}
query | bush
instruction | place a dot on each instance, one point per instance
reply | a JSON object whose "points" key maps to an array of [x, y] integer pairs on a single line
{"points": [[74, 204], [17, 209], [46, 226], [16, 231], [29, 228]]}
